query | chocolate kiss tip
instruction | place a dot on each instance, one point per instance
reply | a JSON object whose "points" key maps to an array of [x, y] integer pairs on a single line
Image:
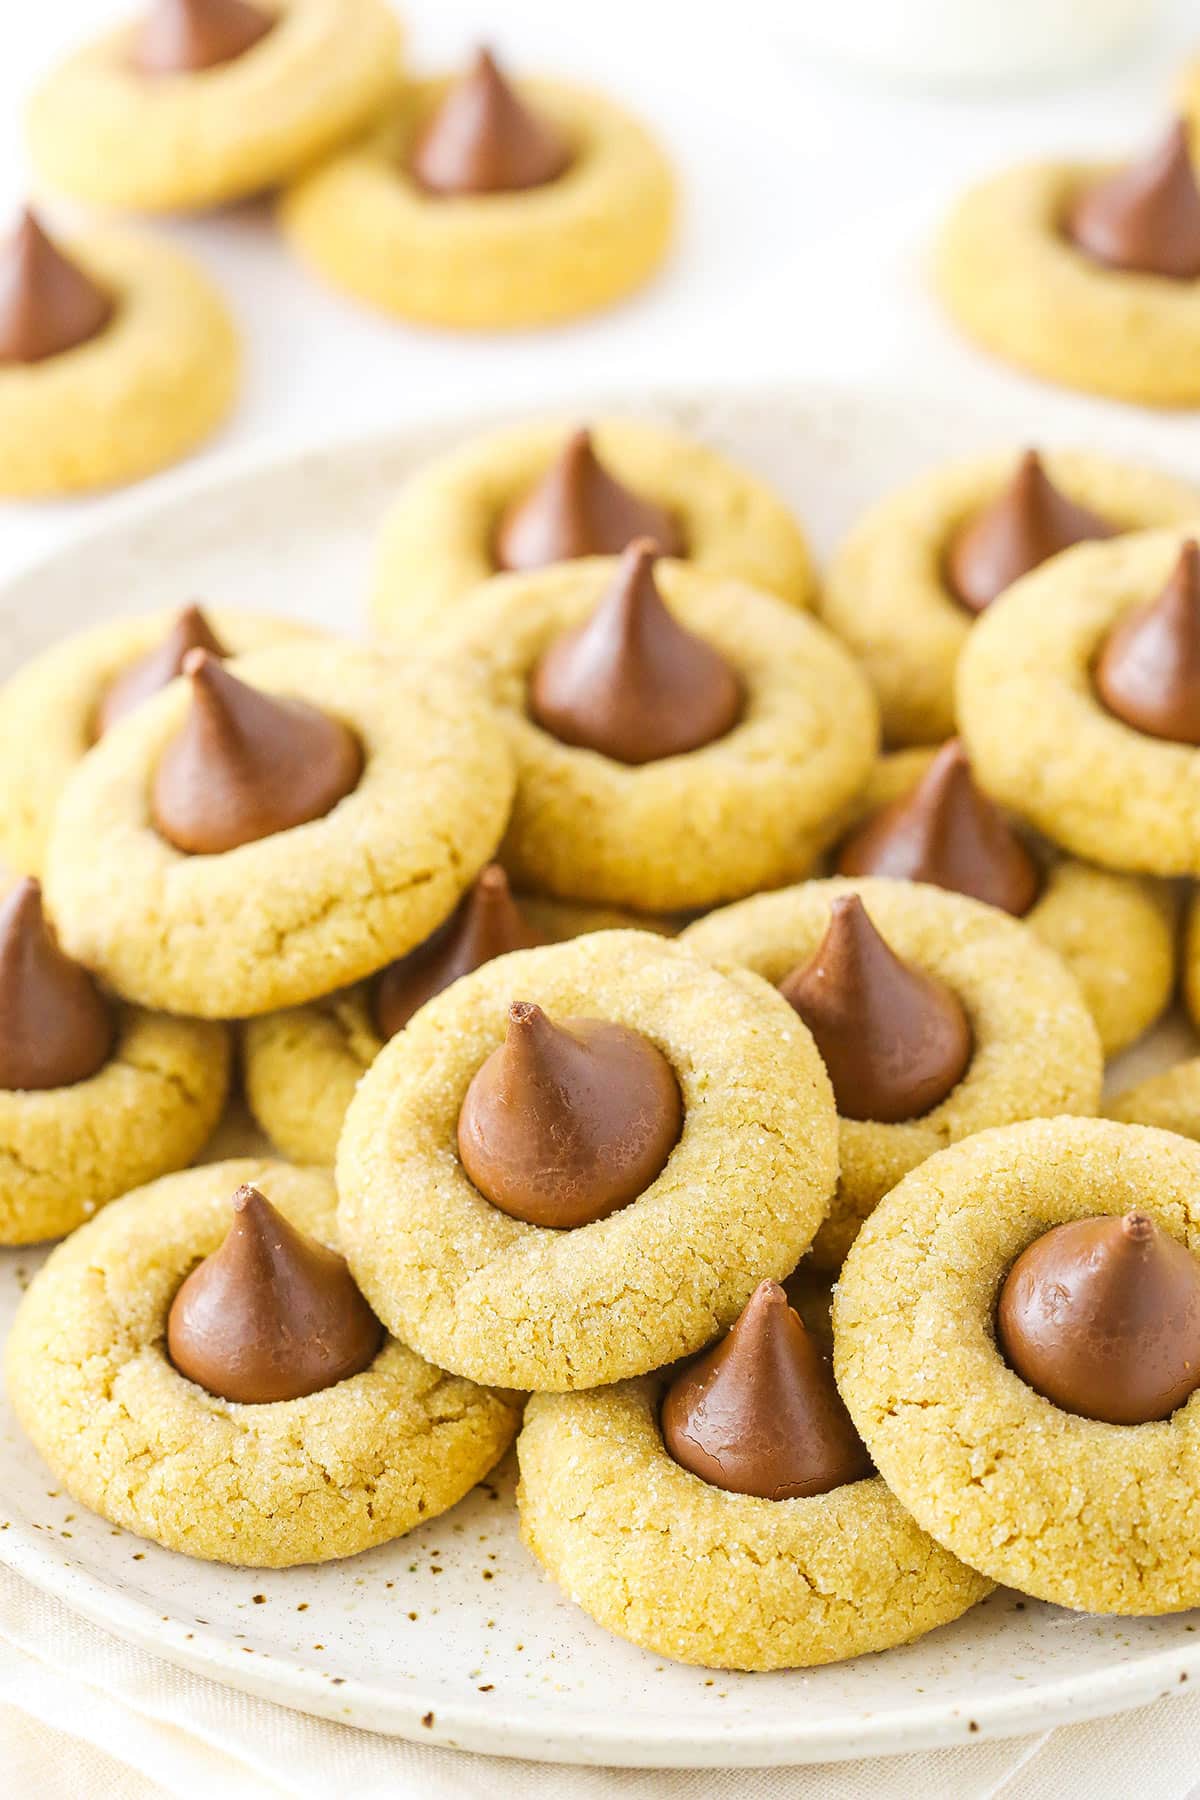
{"points": [[56, 1028], [184, 37], [48, 304], [893, 1039], [567, 1121], [159, 666], [1145, 219], [246, 764], [947, 832], [759, 1413], [1148, 671], [484, 139], [632, 683], [487, 923], [1101, 1316], [272, 1314], [579, 509], [1028, 522]]}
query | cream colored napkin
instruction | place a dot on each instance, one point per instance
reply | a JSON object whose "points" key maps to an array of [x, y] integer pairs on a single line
{"points": [[83, 1714]]}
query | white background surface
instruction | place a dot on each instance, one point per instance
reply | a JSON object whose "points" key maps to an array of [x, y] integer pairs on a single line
{"points": [[809, 200]]}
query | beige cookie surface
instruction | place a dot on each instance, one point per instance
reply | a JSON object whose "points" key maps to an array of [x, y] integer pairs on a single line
{"points": [[65, 1152], [739, 1198], [437, 541], [160, 377], [1035, 1047], [1116, 933], [1169, 1100], [490, 261], [751, 810], [302, 912], [1041, 742], [728, 1581], [1103, 1518], [262, 1486], [300, 1067], [48, 712], [1017, 285], [106, 134], [886, 592]]}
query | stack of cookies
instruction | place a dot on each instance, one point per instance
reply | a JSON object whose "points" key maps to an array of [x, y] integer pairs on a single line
{"points": [[659, 1074]]}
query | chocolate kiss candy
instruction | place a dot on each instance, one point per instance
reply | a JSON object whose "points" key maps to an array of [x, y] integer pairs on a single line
{"points": [[759, 1413], [191, 631], [47, 304], [245, 764], [631, 682], [483, 139], [1029, 522], [950, 834], [181, 37], [1148, 673], [55, 1027], [579, 509], [1146, 219], [488, 923], [271, 1315], [566, 1122], [894, 1040], [1102, 1316]]}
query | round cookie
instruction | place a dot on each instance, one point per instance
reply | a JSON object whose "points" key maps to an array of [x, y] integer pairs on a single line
{"points": [[488, 261], [1035, 1049], [753, 808], [1014, 281], [1100, 1517], [150, 1109], [888, 596], [1116, 933], [294, 915], [739, 1197], [1170, 1100], [261, 1486], [1040, 740], [48, 712], [300, 1067], [159, 377], [438, 540], [725, 1580], [103, 132]]}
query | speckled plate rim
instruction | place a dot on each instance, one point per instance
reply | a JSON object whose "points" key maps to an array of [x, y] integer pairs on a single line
{"points": [[524, 1730]]}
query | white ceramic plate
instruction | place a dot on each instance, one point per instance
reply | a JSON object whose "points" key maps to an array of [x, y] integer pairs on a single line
{"points": [[452, 1635]]}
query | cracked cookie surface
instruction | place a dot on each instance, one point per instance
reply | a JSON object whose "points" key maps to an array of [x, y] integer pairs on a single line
{"points": [[264, 1486], [749, 810], [1103, 1518], [304, 911], [739, 1198], [152, 1107], [1035, 1047], [725, 1580]]}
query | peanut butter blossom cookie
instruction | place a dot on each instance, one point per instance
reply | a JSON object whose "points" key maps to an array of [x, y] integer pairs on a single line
{"points": [[679, 739], [573, 1165], [532, 495], [912, 578], [730, 1516], [206, 1333], [301, 1067], [116, 357], [56, 707], [1085, 275], [936, 1016], [264, 831], [1017, 1336], [479, 204], [1080, 702], [94, 1098], [198, 102], [924, 818]]}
